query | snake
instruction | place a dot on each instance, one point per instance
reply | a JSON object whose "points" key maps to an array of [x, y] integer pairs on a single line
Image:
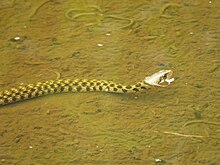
{"points": [[25, 92]]}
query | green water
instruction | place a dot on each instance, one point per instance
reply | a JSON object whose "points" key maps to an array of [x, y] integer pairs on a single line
{"points": [[177, 125]]}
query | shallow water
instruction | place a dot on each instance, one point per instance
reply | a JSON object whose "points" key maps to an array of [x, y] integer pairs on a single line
{"points": [[120, 41]]}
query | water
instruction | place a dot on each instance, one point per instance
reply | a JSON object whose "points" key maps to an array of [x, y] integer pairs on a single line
{"points": [[120, 41]]}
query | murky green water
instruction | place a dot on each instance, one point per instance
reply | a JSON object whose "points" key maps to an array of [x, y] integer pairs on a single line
{"points": [[121, 41]]}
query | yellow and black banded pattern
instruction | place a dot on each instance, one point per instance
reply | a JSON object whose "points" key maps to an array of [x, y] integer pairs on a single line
{"points": [[58, 86]]}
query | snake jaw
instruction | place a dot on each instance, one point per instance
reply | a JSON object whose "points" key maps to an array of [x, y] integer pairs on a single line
{"points": [[162, 78]]}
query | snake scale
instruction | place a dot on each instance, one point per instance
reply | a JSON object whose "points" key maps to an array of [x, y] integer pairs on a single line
{"points": [[30, 91]]}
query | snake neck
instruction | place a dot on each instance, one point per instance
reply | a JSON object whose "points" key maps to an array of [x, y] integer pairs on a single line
{"points": [[58, 86]]}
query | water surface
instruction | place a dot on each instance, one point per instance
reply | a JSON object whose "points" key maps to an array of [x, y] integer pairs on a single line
{"points": [[123, 42]]}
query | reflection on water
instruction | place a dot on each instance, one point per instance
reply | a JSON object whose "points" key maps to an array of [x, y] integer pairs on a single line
{"points": [[117, 41]]}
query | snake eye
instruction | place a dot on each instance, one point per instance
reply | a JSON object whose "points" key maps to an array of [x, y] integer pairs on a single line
{"points": [[165, 76]]}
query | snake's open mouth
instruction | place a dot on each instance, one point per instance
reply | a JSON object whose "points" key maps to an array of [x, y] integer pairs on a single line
{"points": [[162, 78]]}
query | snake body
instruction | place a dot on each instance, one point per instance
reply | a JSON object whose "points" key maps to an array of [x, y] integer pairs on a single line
{"points": [[30, 91]]}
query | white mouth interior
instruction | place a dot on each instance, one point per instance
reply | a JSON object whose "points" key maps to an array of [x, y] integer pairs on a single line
{"points": [[169, 80]]}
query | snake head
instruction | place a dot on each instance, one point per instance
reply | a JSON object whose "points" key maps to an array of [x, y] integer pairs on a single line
{"points": [[162, 78]]}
